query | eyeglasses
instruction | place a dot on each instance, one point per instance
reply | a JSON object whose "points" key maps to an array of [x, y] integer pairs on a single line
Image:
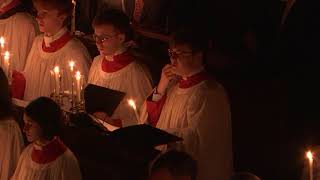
{"points": [[103, 38], [174, 54]]}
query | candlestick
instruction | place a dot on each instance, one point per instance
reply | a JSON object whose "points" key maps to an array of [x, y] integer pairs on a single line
{"points": [[56, 71], [78, 86], [134, 107], [309, 156]]}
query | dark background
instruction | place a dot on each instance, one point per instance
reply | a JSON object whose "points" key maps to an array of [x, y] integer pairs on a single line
{"points": [[271, 76]]}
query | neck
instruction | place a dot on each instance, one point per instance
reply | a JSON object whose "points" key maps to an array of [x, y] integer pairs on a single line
{"points": [[42, 142], [193, 72], [119, 51], [55, 33]]}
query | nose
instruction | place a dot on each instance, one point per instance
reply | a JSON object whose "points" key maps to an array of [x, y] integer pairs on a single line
{"points": [[25, 128], [173, 61]]}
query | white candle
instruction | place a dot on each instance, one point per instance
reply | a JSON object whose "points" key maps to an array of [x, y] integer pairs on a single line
{"points": [[6, 58], [78, 82], [71, 64], [134, 107], [2, 42], [310, 158], [73, 23], [56, 71]]}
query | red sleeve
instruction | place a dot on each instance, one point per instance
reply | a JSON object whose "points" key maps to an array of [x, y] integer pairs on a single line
{"points": [[154, 109], [18, 85]]}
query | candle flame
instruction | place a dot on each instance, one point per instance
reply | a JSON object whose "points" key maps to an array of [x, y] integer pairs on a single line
{"points": [[6, 55], [132, 104], [56, 70], [78, 75], [71, 64], [309, 155], [2, 42]]}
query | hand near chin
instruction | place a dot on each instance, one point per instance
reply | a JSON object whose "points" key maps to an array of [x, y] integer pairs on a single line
{"points": [[168, 73]]}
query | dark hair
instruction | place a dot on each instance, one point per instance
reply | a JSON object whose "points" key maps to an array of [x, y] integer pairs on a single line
{"points": [[47, 114], [116, 18], [195, 38], [244, 176], [178, 164], [63, 6], [6, 108]]}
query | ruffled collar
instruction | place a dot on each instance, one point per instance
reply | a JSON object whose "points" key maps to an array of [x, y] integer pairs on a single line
{"points": [[56, 42], [117, 62], [193, 80], [48, 153]]}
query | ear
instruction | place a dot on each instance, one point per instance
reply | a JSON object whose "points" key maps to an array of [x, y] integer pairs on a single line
{"points": [[198, 56], [62, 17], [122, 37]]}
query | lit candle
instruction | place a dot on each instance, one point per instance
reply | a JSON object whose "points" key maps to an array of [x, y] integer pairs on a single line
{"points": [[73, 23], [309, 156], [2, 42], [78, 81], [56, 71], [134, 107], [6, 58], [71, 64]]}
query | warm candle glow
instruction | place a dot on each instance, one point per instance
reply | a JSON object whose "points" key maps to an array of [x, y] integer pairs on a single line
{"points": [[132, 104], [78, 75], [71, 64], [56, 70], [309, 155], [2, 41], [6, 55]]}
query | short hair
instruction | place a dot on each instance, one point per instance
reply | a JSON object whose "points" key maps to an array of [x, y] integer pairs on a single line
{"points": [[63, 6], [178, 164], [116, 18], [244, 176], [6, 108], [196, 39], [47, 114]]}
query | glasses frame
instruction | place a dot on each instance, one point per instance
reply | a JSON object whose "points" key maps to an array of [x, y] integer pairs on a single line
{"points": [[100, 39]]}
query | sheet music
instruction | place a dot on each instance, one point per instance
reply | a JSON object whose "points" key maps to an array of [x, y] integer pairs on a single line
{"points": [[105, 124]]}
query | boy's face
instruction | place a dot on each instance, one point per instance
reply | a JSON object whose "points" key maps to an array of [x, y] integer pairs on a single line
{"points": [[108, 39], [50, 21], [182, 58], [31, 128]]}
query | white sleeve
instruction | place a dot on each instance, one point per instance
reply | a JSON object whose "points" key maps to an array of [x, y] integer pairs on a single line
{"points": [[70, 169]]}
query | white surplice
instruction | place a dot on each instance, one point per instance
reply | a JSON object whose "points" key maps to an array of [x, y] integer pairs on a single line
{"points": [[19, 31], [201, 116], [65, 167], [39, 81], [11, 141], [134, 80]]}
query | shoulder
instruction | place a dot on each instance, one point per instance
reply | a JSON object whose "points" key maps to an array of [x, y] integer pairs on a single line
{"points": [[23, 18], [69, 158], [38, 38], [97, 60], [208, 89], [76, 43], [76, 47]]}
